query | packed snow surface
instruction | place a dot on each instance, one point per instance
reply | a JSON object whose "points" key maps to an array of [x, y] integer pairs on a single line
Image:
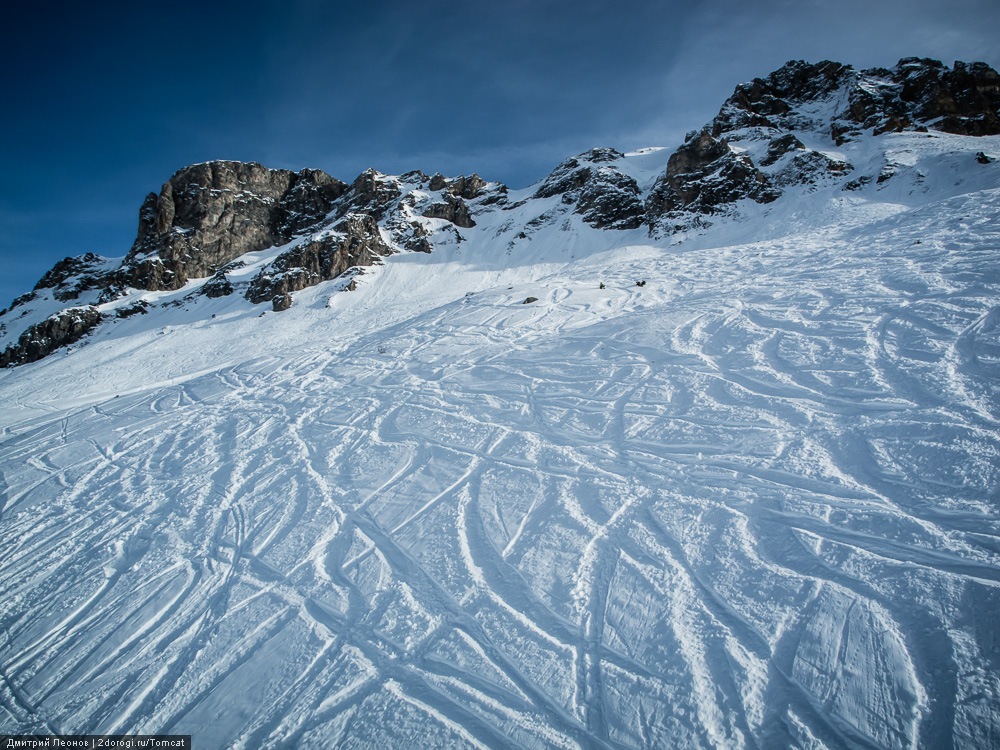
{"points": [[754, 502]]}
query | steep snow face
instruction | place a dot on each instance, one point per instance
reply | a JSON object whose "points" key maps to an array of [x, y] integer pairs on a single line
{"points": [[752, 502]]}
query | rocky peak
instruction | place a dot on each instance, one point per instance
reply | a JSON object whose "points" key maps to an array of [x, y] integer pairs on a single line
{"points": [[917, 93], [704, 176], [468, 187], [751, 149], [374, 193], [209, 214], [451, 208], [772, 101], [964, 100], [597, 189], [70, 277], [573, 173], [308, 199]]}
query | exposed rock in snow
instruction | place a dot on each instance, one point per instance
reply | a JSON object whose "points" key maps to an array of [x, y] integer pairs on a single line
{"points": [[766, 118], [59, 329], [468, 187], [373, 193], [916, 93], [210, 214], [451, 209], [354, 241], [593, 185], [705, 175], [70, 277]]}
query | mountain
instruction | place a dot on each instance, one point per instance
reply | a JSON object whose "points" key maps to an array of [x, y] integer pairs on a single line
{"points": [[689, 448], [209, 221]]}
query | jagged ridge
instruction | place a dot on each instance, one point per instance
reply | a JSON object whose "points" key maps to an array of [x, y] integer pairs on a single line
{"points": [[208, 217]]}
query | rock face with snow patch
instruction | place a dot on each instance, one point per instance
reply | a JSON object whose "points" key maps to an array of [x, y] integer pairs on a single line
{"points": [[598, 191], [451, 208], [705, 174], [354, 241], [916, 93], [70, 277], [58, 330], [752, 149], [921, 93], [209, 214]]}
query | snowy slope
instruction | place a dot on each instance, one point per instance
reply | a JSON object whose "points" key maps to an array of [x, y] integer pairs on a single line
{"points": [[752, 503]]}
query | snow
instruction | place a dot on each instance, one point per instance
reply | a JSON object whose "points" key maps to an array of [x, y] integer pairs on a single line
{"points": [[752, 503]]}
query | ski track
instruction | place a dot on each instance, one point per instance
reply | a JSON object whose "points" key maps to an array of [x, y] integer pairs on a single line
{"points": [[752, 504]]}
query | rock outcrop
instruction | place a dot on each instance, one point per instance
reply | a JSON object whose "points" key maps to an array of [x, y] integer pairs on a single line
{"points": [[70, 277], [920, 93], [605, 197], [751, 150], [776, 101], [377, 194], [58, 330], [453, 209], [469, 187], [210, 214], [704, 175], [917, 93], [355, 241]]}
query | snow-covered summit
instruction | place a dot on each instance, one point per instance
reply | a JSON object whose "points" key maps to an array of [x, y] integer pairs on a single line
{"points": [[836, 99], [808, 124]]}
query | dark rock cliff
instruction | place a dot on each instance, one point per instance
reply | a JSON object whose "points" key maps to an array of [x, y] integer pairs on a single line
{"points": [[704, 174], [714, 168], [210, 214], [917, 93], [56, 331], [598, 191]]}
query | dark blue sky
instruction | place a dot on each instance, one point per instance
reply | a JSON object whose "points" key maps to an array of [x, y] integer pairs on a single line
{"points": [[104, 101]]}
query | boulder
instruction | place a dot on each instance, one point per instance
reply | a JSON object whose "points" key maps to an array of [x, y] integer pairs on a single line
{"points": [[281, 302]]}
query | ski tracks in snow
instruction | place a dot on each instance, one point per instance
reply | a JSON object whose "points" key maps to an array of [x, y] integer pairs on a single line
{"points": [[751, 503]]}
